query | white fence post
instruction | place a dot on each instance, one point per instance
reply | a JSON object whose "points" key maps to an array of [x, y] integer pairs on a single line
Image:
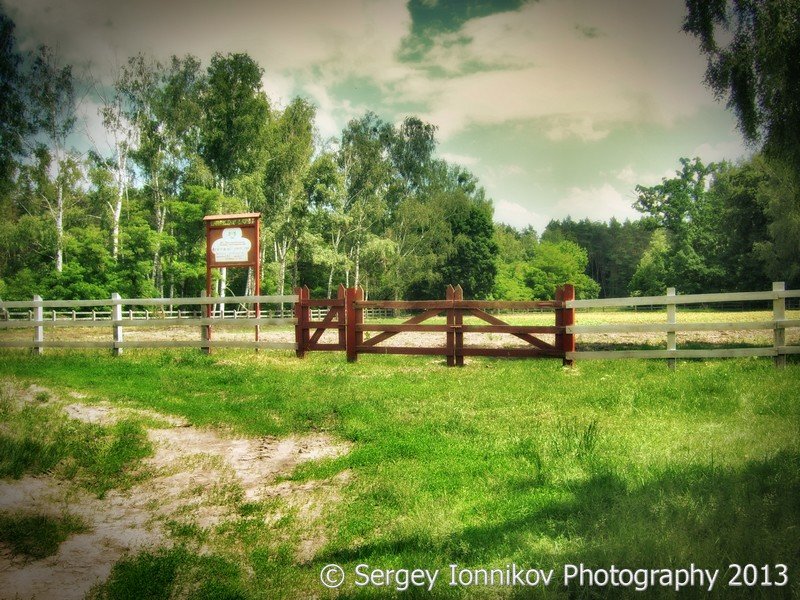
{"points": [[779, 314], [671, 320], [38, 331], [116, 317]]}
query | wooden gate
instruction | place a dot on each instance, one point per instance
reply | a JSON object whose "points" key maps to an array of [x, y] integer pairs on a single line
{"points": [[334, 319], [346, 314]]}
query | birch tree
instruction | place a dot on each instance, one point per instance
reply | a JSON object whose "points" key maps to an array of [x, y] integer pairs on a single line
{"points": [[52, 104]]}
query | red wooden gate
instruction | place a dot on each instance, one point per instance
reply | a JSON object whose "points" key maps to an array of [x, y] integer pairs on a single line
{"points": [[346, 314]]}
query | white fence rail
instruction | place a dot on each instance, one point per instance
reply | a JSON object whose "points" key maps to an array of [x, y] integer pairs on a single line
{"points": [[778, 324], [203, 315]]}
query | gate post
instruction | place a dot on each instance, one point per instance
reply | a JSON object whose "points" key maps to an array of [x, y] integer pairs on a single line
{"points": [[568, 319], [559, 314], [459, 295], [301, 325], [353, 317], [449, 294], [340, 295]]}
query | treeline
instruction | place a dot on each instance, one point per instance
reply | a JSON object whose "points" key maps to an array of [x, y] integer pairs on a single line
{"points": [[715, 227], [374, 207]]}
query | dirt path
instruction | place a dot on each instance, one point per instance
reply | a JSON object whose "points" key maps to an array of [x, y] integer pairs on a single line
{"points": [[199, 477]]}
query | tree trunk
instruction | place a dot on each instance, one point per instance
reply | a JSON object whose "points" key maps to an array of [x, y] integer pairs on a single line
{"points": [[158, 271], [223, 283], [59, 228], [330, 282], [116, 212], [357, 274]]}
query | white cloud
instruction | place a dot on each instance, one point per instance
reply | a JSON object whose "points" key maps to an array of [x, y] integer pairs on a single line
{"points": [[631, 177], [518, 216], [538, 66], [459, 159], [596, 203], [731, 151]]}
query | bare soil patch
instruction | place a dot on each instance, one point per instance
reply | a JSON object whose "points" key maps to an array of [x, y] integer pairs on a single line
{"points": [[199, 477]]}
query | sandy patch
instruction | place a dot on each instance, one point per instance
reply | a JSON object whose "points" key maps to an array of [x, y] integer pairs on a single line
{"points": [[199, 477]]}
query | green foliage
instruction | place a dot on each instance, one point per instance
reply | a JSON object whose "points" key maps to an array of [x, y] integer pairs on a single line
{"points": [[537, 267], [613, 249], [555, 264], [652, 276], [14, 125], [689, 214], [752, 50], [236, 112]]}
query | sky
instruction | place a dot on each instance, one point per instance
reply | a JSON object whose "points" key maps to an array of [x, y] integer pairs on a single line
{"points": [[560, 107]]}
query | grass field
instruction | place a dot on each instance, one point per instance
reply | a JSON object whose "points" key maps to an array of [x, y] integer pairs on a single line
{"points": [[609, 463]]}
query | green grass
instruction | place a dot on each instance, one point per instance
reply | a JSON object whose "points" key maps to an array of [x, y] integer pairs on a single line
{"points": [[37, 536], [39, 438], [619, 462]]}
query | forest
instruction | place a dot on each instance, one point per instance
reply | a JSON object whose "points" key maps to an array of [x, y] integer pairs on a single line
{"points": [[375, 207]]}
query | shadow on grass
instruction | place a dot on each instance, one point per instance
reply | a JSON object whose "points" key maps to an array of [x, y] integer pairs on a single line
{"points": [[710, 516]]}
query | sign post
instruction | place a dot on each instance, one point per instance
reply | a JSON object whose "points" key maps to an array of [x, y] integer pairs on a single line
{"points": [[233, 241]]}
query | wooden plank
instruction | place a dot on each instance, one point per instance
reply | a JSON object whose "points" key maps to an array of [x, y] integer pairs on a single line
{"points": [[56, 344], [666, 327], [61, 323], [291, 298], [399, 328], [523, 336], [415, 320], [709, 353], [323, 303], [325, 347], [789, 349], [405, 304], [512, 329], [54, 303], [422, 351], [232, 217], [512, 352], [789, 294], [663, 300], [208, 343], [507, 304]]}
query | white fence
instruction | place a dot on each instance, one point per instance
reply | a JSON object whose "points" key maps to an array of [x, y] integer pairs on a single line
{"points": [[778, 324], [45, 314]]}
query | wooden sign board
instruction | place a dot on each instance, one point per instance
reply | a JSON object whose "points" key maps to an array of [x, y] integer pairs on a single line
{"points": [[232, 245]]}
